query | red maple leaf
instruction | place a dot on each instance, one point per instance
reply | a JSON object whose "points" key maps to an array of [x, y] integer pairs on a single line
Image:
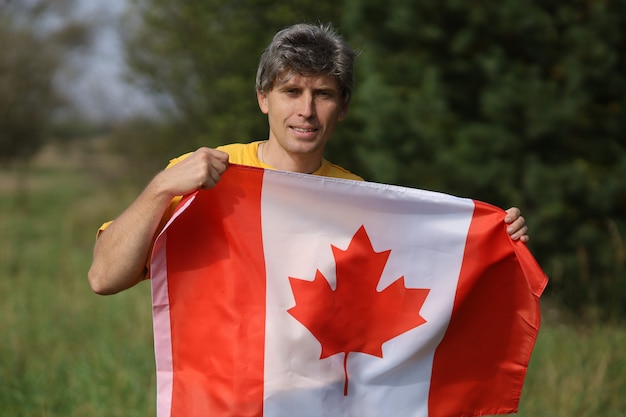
{"points": [[355, 317]]}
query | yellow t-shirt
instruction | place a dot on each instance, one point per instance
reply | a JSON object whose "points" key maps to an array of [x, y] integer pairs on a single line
{"points": [[247, 154]]}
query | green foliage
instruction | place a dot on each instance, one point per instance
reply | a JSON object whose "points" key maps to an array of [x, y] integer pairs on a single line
{"points": [[514, 103], [29, 62], [203, 55], [27, 95]]}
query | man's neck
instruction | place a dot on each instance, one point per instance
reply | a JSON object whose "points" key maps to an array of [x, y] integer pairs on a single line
{"points": [[280, 159]]}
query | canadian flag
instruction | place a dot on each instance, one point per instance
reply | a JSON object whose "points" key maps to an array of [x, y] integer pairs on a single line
{"points": [[288, 295]]}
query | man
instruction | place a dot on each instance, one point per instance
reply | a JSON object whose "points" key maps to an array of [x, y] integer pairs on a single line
{"points": [[304, 85]]}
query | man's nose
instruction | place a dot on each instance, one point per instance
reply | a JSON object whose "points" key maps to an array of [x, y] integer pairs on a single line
{"points": [[306, 106]]}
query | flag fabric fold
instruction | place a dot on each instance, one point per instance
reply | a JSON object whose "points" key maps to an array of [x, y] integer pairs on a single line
{"points": [[281, 294]]}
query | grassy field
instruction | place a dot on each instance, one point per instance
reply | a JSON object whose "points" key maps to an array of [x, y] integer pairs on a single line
{"points": [[67, 352]]}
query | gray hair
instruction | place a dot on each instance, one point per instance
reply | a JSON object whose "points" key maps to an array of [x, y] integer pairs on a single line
{"points": [[307, 50]]}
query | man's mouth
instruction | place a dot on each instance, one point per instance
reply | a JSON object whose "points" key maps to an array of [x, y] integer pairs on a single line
{"points": [[304, 129]]}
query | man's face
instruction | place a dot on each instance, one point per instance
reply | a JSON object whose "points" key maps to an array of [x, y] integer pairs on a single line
{"points": [[303, 113]]}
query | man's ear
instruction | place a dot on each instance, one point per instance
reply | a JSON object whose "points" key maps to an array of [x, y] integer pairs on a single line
{"points": [[262, 100], [343, 113]]}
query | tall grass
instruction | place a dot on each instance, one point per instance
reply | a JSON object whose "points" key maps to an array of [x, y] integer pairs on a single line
{"points": [[577, 370], [67, 352]]}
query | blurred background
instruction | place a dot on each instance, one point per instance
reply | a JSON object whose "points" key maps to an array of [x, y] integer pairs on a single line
{"points": [[515, 103]]}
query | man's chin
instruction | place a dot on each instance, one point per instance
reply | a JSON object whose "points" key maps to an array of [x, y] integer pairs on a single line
{"points": [[300, 146]]}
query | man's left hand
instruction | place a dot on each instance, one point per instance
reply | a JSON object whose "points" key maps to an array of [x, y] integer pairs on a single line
{"points": [[516, 225]]}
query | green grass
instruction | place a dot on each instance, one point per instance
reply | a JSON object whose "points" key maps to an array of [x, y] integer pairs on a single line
{"points": [[577, 371], [67, 352], [64, 350]]}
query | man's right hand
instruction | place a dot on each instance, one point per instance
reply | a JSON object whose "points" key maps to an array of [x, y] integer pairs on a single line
{"points": [[121, 251], [201, 169]]}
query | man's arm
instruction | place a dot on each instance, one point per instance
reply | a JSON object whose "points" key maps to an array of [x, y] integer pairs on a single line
{"points": [[121, 251]]}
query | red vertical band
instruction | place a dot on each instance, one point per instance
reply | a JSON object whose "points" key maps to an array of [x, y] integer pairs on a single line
{"points": [[216, 283], [482, 360]]}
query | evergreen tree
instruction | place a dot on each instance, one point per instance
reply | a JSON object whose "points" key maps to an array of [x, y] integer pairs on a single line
{"points": [[514, 103], [202, 56], [519, 102]]}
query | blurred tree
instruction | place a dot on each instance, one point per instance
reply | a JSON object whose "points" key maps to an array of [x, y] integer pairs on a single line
{"points": [[519, 102], [202, 56], [26, 93], [515, 103], [30, 57]]}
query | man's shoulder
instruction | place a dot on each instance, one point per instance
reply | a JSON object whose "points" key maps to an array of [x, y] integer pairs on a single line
{"points": [[329, 169], [246, 154], [242, 153], [237, 146], [238, 153]]}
